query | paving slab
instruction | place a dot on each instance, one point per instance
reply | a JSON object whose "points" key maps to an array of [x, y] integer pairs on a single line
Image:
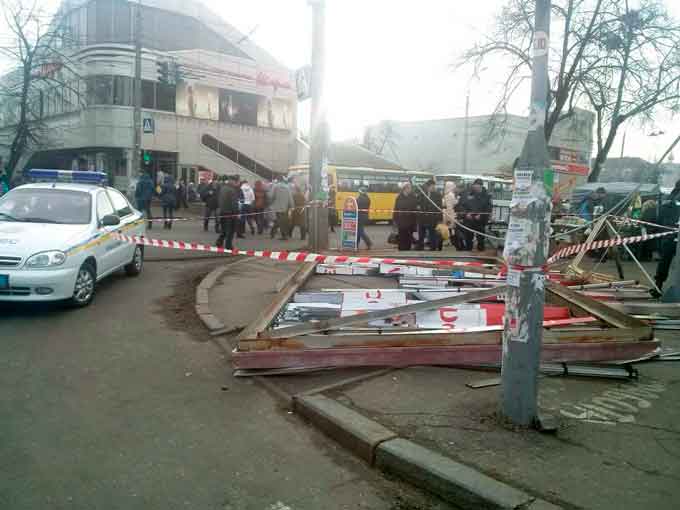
{"points": [[618, 445]]}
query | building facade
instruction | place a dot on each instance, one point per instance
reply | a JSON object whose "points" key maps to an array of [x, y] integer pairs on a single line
{"points": [[211, 99], [468, 145]]}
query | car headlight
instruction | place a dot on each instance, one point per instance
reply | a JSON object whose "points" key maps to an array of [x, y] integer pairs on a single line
{"points": [[46, 259]]}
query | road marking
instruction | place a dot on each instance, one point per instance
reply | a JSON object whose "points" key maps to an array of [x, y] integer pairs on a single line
{"points": [[619, 405], [279, 506]]}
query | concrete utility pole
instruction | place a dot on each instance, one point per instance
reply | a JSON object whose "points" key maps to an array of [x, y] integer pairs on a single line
{"points": [[526, 247], [137, 94], [318, 232]]}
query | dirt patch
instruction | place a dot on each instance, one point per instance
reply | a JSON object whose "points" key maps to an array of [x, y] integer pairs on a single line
{"points": [[178, 309]]}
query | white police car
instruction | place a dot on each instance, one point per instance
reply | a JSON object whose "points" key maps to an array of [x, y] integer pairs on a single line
{"points": [[55, 237]]}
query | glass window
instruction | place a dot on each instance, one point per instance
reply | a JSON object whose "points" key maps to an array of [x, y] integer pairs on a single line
{"points": [[99, 89], [46, 206], [122, 90], [120, 203], [104, 22], [104, 207], [148, 94], [165, 97], [238, 107], [121, 22]]}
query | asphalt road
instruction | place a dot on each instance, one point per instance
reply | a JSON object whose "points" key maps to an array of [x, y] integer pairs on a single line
{"points": [[127, 404]]}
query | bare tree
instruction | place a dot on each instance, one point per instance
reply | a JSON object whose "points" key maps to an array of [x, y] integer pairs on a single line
{"points": [[38, 63], [381, 139], [608, 57]]}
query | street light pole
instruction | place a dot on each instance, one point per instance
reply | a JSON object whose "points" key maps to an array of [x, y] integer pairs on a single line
{"points": [[318, 232], [137, 94], [526, 247]]}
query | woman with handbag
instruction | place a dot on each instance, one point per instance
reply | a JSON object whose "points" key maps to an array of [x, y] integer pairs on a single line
{"points": [[404, 216]]}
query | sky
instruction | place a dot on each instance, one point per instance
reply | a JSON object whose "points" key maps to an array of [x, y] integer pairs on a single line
{"points": [[394, 59]]}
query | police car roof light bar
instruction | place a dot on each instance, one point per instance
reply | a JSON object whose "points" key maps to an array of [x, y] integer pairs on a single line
{"points": [[75, 176]]}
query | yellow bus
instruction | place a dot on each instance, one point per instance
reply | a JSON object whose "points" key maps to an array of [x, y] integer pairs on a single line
{"points": [[383, 185]]}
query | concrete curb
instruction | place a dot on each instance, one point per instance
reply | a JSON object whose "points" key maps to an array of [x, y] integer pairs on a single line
{"points": [[202, 306], [349, 428], [462, 485]]}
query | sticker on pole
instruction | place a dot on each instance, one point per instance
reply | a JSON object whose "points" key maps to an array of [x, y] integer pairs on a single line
{"points": [[540, 44], [350, 224]]}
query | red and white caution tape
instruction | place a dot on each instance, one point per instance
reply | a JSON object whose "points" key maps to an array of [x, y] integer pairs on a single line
{"points": [[290, 256], [606, 243]]}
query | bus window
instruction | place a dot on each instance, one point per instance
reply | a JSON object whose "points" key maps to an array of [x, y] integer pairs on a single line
{"points": [[344, 184]]}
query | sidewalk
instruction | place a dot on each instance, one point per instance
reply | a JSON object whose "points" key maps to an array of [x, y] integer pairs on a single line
{"points": [[617, 447]]}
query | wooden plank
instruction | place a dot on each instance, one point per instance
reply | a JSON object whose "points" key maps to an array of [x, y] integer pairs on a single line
{"points": [[440, 356], [412, 338], [595, 308], [266, 316], [316, 327], [642, 333], [670, 310], [484, 383]]}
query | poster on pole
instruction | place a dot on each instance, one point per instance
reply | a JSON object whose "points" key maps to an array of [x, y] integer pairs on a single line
{"points": [[350, 223]]}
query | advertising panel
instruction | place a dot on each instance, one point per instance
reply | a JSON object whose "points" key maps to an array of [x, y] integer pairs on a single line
{"points": [[198, 101]]}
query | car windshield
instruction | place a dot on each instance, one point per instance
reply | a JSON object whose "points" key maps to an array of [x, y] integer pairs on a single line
{"points": [[33, 205]]}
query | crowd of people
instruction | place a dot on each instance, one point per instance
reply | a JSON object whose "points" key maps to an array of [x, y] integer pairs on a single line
{"points": [[425, 217], [231, 204]]}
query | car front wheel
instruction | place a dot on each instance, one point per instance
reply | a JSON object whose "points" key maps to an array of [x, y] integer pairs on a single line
{"points": [[134, 268], [83, 292]]}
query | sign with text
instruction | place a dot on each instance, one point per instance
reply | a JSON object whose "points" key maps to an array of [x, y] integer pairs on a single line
{"points": [[350, 224]]}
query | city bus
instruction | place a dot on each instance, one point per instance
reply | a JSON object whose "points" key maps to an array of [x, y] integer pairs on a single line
{"points": [[383, 185], [499, 188]]}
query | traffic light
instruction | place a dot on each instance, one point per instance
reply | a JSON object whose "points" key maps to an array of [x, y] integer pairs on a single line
{"points": [[146, 157], [168, 72], [164, 72]]}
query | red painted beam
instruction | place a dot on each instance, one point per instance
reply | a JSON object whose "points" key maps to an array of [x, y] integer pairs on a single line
{"points": [[438, 355]]}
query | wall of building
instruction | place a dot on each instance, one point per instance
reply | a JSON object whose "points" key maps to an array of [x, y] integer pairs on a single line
{"points": [[438, 145]]}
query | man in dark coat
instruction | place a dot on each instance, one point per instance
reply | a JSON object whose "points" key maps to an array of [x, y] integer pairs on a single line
{"points": [[404, 216], [668, 217], [228, 207], [209, 197], [476, 206], [430, 207], [143, 195], [363, 204]]}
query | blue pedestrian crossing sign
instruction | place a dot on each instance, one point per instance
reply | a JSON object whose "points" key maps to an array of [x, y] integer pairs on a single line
{"points": [[148, 125]]}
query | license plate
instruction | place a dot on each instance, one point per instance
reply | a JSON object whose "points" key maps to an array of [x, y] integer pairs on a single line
{"points": [[4, 281]]}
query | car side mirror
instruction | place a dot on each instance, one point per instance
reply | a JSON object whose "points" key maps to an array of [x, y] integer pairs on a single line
{"points": [[110, 220]]}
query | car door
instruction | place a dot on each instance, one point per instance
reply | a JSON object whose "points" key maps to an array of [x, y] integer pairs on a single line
{"points": [[123, 251], [105, 249]]}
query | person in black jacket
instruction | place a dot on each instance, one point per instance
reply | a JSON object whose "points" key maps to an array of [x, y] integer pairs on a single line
{"points": [[668, 217], [228, 205], [209, 196], [363, 204], [475, 207], [404, 216], [168, 200], [430, 207]]}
